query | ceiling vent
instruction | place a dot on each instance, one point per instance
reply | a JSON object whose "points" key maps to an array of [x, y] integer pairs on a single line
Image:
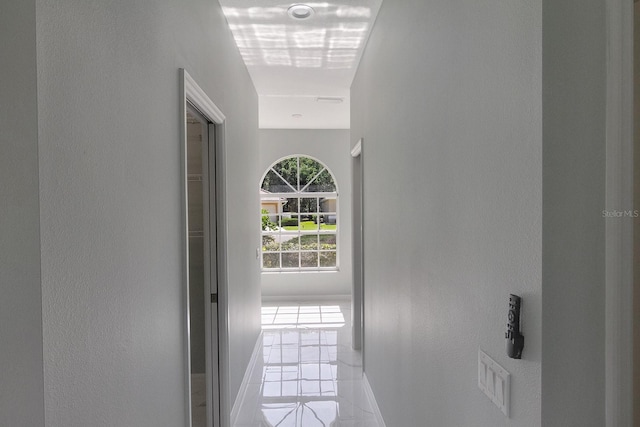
{"points": [[329, 100]]}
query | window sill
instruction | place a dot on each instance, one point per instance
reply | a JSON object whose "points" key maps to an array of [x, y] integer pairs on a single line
{"points": [[328, 270]]}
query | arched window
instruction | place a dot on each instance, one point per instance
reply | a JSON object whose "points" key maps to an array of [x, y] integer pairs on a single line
{"points": [[299, 214]]}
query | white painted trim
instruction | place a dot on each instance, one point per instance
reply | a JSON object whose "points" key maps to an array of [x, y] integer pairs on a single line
{"points": [[306, 298], [223, 276], [619, 196], [244, 386], [199, 98], [185, 250], [310, 194], [357, 248], [372, 400], [357, 149], [192, 92]]}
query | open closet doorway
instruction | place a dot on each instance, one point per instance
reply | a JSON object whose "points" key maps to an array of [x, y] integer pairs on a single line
{"points": [[201, 255], [204, 259]]}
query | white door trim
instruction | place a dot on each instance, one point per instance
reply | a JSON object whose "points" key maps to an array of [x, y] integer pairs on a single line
{"points": [[619, 197], [357, 297], [192, 92], [357, 149]]}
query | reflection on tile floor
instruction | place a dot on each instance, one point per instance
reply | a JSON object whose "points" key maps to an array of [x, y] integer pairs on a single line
{"points": [[309, 376]]}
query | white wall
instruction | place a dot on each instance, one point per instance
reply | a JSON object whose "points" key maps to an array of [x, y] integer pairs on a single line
{"points": [[331, 147], [573, 229], [110, 203], [448, 99], [21, 375]]}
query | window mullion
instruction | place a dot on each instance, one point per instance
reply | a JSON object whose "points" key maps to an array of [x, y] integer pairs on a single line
{"points": [[284, 180], [298, 174], [313, 179]]}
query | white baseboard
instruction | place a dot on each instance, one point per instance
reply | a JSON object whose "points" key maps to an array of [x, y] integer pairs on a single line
{"points": [[372, 400], [305, 298], [257, 352]]}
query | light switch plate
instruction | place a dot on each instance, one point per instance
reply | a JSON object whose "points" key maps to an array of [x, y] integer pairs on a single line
{"points": [[494, 381]]}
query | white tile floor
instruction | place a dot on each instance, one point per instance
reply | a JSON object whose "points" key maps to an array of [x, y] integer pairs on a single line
{"points": [[309, 376]]}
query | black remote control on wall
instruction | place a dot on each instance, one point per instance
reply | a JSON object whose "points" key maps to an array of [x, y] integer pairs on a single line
{"points": [[515, 340]]}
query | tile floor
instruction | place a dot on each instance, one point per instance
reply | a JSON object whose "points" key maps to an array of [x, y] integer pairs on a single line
{"points": [[309, 376]]}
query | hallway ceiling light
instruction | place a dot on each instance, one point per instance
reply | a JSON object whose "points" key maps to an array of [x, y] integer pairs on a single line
{"points": [[299, 51], [300, 11]]}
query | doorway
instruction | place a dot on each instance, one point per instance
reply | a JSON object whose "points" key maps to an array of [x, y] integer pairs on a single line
{"points": [[202, 271], [205, 282]]}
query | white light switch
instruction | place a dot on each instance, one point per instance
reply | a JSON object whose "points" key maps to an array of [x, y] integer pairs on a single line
{"points": [[499, 389], [494, 381], [482, 373], [490, 381]]}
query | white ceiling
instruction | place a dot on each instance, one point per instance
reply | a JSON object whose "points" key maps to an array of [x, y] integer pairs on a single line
{"points": [[293, 62]]}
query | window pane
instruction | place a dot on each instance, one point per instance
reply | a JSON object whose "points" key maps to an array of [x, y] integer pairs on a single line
{"points": [[290, 260], [288, 169], [329, 222], [269, 222], [291, 244], [328, 204], [290, 222], [328, 241], [272, 183], [270, 243], [308, 223], [309, 242], [309, 259], [271, 260], [290, 205], [327, 259], [309, 169], [328, 226], [324, 182], [308, 204]]}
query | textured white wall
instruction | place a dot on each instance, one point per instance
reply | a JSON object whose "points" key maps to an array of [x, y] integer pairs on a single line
{"points": [[21, 375], [111, 206], [573, 235], [331, 147], [448, 99]]}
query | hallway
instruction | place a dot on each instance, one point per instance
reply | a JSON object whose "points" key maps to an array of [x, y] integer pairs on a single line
{"points": [[308, 376], [495, 139]]}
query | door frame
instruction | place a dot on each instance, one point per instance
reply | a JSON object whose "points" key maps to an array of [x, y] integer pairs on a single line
{"points": [[191, 92], [619, 231], [357, 226]]}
